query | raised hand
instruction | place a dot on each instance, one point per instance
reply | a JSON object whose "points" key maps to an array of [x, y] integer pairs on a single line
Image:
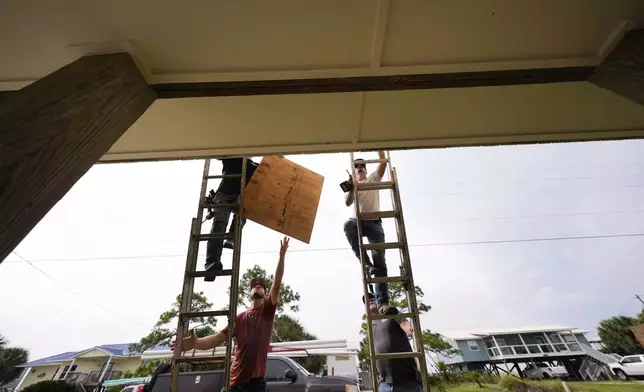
{"points": [[284, 246]]}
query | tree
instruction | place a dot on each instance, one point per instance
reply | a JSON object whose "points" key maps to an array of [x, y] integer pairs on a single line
{"points": [[617, 337], [10, 357], [144, 370], [287, 299], [165, 329], [432, 342], [286, 328]]}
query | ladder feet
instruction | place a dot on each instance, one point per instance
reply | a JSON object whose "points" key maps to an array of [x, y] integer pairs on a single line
{"points": [[213, 268]]}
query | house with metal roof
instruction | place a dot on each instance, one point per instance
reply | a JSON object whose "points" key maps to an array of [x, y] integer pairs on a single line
{"points": [[512, 349], [88, 367]]}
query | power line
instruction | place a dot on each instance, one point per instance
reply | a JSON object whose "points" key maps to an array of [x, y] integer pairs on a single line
{"points": [[435, 244], [504, 190], [75, 292], [537, 216]]}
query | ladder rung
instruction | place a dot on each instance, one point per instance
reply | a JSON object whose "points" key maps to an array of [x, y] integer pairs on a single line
{"points": [[391, 316], [369, 161], [203, 274], [209, 313], [378, 215], [365, 186], [383, 246], [214, 236], [220, 205], [412, 354], [389, 279], [203, 358], [218, 176]]}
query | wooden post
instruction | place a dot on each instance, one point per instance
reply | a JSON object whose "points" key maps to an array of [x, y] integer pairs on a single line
{"points": [[622, 72], [55, 129]]}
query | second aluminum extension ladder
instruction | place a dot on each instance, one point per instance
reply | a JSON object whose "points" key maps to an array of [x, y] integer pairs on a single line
{"points": [[406, 276], [185, 313]]}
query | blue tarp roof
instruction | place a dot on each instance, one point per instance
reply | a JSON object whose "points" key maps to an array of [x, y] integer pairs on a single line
{"points": [[114, 349]]}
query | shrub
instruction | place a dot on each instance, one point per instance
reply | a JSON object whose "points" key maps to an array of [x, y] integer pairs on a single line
{"points": [[513, 384], [52, 386], [436, 383]]}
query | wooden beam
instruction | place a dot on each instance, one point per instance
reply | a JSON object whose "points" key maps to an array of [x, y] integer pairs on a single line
{"points": [[372, 83], [55, 129], [622, 72]]}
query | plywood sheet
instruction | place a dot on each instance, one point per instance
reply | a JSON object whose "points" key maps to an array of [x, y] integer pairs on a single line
{"points": [[284, 196], [638, 331]]}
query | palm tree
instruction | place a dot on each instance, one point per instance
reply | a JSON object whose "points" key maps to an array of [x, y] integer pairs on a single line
{"points": [[10, 357]]}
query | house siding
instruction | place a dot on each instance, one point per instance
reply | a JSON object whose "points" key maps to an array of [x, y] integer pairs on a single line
{"points": [[83, 365], [472, 356], [32, 378]]}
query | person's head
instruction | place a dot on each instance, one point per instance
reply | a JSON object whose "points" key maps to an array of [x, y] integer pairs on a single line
{"points": [[373, 307], [257, 289], [360, 169]]}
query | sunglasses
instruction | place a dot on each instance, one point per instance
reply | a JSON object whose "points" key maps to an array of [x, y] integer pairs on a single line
{"points": [[360, 165]]}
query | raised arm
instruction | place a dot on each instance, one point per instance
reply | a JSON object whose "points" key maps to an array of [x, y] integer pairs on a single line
{"points": [[382, 165], [279, 273]]}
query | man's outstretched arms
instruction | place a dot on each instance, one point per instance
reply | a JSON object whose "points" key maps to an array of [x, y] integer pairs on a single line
{"points": [[192, 342]]}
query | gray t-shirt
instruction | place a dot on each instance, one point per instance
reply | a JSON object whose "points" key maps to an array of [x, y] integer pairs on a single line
{"points": [[389, 337]]}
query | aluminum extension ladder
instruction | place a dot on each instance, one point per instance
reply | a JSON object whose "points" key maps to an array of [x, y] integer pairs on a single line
{"points": [[185, 313], [406, 276]]}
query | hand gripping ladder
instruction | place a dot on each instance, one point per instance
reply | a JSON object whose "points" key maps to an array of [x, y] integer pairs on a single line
{"points": [[185, 312], [406, 276]]}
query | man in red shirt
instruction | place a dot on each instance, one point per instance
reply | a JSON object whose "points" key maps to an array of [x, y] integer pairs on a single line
{"points": [[253, 329]]}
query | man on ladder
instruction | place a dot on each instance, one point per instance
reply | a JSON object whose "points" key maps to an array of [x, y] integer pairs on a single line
{"points": [[253, 331], [369, 202], [392, 336], [220, 204], [387, 338]]}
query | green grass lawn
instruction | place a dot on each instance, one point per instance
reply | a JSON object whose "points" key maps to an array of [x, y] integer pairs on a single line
{"points": [[604, 386]]}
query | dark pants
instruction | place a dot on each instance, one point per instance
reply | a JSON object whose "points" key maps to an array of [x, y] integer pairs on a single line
{"points": [[220, 223], [372, 229], [254, 385]]}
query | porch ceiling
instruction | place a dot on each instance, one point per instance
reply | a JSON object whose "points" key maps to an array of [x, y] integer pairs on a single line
{"points": [[256, 40]]}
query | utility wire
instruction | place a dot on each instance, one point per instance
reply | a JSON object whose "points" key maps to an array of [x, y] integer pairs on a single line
{"points": [[435, 244], [76, 293]]}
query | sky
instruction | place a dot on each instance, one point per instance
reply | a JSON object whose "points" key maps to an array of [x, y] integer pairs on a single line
{"points": [[500, 237]]}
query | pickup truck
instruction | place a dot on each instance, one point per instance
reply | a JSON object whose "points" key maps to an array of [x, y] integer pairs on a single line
{"points": [[282, 375], [630, 366]]}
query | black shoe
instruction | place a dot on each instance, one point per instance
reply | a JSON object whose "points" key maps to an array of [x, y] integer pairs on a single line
{"points": [[371, 269], [214, 268], [229, 244], [386, 309]]}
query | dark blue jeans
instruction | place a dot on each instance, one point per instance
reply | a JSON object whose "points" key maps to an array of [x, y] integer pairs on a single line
{"points": [[372, 229], [254, 385], [220, 223]]}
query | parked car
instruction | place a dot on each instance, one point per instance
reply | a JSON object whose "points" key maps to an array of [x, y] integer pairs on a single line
{"points": [[629, 366], [541, 370], [134, 388], [282, 375]]}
